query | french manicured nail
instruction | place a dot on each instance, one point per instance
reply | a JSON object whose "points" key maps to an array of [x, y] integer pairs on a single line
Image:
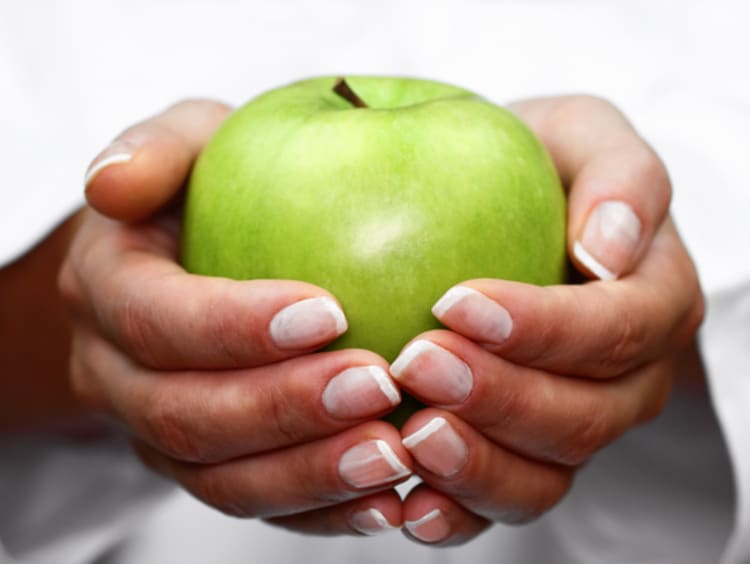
{"points": [[370, 464], [475, 314], [306, 323], [438, 447], [431, 527], [370, 522], [360, 391], [118, 152], [609, 239], [432, 372]]}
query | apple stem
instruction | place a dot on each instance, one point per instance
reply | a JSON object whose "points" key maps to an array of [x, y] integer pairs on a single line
{"points": [[342, 88]]}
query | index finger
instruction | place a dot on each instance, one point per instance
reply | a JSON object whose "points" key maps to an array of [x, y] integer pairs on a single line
{"points": [[599, 329], [126, 280]]}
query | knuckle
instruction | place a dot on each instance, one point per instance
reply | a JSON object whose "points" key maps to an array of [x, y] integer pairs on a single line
{"points": [[166, 424], [67, 284], [192, 104], [556, 485], [693, 320], [628, 341], [555, 489], [571, 108], [649, 169], [79, 382], [82, 372], [592, 430], [213, 488], [133, 328], [202, 114], [659, 397], [509, 407], [223, 330], [287, 420]]}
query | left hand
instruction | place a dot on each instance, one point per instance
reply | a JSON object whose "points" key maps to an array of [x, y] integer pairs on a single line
{"points": [[530, 382]]}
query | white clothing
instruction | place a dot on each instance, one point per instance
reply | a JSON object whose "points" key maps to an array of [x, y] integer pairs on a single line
{"points": [[72, 74]]}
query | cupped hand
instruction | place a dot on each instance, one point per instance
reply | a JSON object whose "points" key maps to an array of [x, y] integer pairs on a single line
{"points": [[218, 380], [530, 382]]}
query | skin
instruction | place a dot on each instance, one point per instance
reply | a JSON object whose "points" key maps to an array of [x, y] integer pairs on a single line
{"points": [[240, 424]]}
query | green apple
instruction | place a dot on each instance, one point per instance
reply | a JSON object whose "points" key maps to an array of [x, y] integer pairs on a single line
{"points": [[384, 191]]}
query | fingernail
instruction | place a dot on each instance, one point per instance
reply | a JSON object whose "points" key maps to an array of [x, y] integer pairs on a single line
{"points": [[306, 323], [435, 374], [431, 527], [475, 314], [360, 391], [609, 239], [370, 464], [370, 522], [118, 152], [438, 447]]}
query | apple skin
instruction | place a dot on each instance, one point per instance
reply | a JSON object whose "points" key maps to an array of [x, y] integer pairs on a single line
{"points": [[386, 206]]}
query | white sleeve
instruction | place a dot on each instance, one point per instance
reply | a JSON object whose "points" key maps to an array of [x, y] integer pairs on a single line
{"points": [[702, 135], [62, 500], [726, 350], [711, 205], [70, 499], [42, 163]]}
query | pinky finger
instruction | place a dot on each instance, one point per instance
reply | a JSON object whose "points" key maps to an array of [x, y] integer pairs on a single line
{"points": [[430, 517], [371, 515]]}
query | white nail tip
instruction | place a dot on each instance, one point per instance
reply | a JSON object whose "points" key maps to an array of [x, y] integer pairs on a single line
{"points": [[408, 355], [393, 461], [300, 323], [104, 163], [423, 433], [451, 298], [591, 263], [385, 384], [371, 522], [335, 311], [412, 526]]}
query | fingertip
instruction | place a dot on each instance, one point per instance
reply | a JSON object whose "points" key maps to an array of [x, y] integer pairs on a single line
{"points": [[431, 527], [617, 202], [119, 151], [474, 314], [307, 323], [146, 167], [430, 517], [372, 521], [436, 446], [138, 174], [607, 245], [373, 463]]}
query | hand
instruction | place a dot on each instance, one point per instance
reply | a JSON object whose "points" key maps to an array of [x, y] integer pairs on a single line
{"points": [[530, 382], [217, 379]]}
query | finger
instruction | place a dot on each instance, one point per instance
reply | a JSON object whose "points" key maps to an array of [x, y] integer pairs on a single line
{"points": [[147, 165], [619, 190], [371, 515], [353, 464], [537, 414], [484, 478], [597, 330], [431, 517], [215, 416], [165, 318]]}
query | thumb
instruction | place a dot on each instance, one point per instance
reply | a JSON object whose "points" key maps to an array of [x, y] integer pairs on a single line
{"points": [[618, 188], [147, 165]]}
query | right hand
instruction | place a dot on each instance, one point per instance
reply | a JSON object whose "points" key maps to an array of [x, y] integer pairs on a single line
{"points": [[218, 380]]}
